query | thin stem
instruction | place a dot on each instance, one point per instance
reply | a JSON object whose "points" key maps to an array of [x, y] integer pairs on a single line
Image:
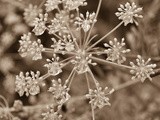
{"points": [[60, 38], [105, 36], [97, 12], [49, 50], [98, 52], [87, 43], [67, 59], [71, 77], [80, 37], [65, 64], [88, 84], [42, 3], [110, 63], [2, 105], [44, 77], [74, 40], [5, 101], [84, 42], [125, 85], [94, 79], [93, 113]]}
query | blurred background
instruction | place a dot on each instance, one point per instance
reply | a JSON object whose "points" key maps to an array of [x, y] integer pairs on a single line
{"points": [[140, 101]]}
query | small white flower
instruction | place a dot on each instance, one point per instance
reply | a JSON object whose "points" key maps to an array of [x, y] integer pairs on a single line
{"points": [[57, 45], [68, 42], [30, 13], [142, 70], [99, 97], [59, 91], [39, 24], [36, 50], [27, 84], [54, 67], [116, 51], [32, 48], [25, 44], [127, 13], [58, 24], [85, 23], [52, 4], [69, 46]]}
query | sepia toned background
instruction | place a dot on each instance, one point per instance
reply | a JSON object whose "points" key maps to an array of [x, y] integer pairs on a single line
{"points": [[140, 101]]}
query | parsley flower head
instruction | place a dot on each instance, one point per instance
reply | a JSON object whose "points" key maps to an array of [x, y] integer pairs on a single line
{"points": [[127, 12], [142, 70], [39, 24], [82, 61], [58, 23], [31, 48], [59, 91], [116, 51], [99, 97], [27, 84], [85, 23], [54, 67]]}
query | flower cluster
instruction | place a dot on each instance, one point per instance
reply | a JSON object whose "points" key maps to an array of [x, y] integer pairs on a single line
{"points": [[63, 45], [99, 97], [81, 62], [32, 48], [127, 13], [59, 91], [77, 50], [57, 25], [39, 24], [27, 84], [115, 51], [85, 23], [54, 67], [142, 70]]}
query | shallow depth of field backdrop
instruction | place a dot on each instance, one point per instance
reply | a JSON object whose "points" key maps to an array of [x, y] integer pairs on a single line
{"points": [[139, 101]]}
